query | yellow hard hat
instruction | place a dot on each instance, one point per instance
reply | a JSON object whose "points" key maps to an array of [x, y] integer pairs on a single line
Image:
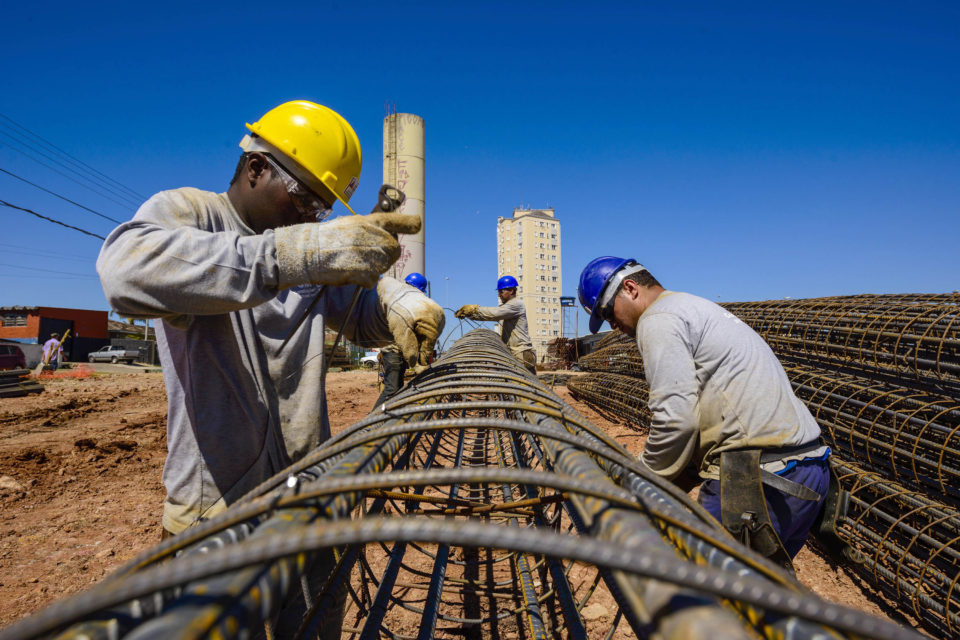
{"points": [[323, 146]]}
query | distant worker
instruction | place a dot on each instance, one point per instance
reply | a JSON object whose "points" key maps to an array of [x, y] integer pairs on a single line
{"points": [[512, 315], [53, 352], [394, 365], [229, 274], [722, 408]]}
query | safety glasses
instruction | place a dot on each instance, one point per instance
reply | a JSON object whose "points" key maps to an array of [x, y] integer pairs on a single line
{"points": [[606, 311], [306, 202]]}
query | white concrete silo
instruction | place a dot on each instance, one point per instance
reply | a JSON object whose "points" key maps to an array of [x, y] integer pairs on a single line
{"points": [[403, 167]]}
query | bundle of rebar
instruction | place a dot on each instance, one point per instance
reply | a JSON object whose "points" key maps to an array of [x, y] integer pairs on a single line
{"points": [[616, 396], [615, 384], [563, 351], [473, 504], [620, 357]]}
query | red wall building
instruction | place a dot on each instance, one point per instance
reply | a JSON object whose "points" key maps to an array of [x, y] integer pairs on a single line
{"points": [[88, 329]]}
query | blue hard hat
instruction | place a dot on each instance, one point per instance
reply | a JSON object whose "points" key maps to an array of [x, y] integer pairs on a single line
{"points": [[417, 280], [507, 282], [593, 280]]}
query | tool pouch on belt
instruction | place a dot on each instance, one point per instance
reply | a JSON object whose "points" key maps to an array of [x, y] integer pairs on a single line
{"points": [[743, 507]]}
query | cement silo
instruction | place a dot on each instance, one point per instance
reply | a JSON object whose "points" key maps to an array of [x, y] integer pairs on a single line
{"points": [[403, 155]]}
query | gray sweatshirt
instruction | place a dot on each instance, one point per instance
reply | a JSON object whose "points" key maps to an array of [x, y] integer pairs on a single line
{"points": [[239, 411], [513, 325], [715, 385]]}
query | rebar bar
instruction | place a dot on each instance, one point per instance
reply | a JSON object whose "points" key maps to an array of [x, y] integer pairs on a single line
{"points": [[614, 358], [915, 336], [475, 503], [620, 396], [909, 436], [909, 545]]}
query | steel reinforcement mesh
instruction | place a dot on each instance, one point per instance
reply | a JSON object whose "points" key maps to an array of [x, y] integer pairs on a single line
{"points": [[914, 336], [614, 395], [474, 504], [907, 542], [911, 437]]}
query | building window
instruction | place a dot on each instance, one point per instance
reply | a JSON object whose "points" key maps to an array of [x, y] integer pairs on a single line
{"points": [[15, 320]]}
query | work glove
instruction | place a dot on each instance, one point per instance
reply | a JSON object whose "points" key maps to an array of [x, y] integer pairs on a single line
{"points": [[414, 319], [466, 311], [345, 250]]}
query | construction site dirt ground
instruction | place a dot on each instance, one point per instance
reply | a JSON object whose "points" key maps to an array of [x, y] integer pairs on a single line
{"points": [[80, 489]]}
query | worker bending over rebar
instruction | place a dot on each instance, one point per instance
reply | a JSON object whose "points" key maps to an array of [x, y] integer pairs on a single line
{"points": [[723, 410]]}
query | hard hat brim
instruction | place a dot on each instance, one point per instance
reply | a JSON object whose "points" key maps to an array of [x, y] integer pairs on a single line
{"points": [[595, 320]]}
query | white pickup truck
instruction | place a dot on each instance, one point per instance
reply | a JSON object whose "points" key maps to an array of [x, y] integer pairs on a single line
{"points": [[113, 354]]}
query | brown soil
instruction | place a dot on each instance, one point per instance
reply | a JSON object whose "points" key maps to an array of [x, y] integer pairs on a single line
{"points": [[87, 455]]}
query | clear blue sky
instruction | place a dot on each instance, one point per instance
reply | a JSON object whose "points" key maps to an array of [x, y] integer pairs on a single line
{"points": [[753, 151]]}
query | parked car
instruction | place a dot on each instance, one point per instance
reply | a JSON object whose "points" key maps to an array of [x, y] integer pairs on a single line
{"points": [[113, 354], [11, 357], [368, 362]]}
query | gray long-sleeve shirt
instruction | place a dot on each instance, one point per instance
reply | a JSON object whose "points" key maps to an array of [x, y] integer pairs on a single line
{"points": [[715, 386], [239, 411], [512, 315]]}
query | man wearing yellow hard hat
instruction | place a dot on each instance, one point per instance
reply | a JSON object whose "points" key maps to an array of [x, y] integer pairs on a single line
{"points": [[230, 274]]}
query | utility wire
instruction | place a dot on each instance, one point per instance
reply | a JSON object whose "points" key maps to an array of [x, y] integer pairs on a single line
{"points": [[19, 276], [62, 224], [68, 273], [13, 175], [74, 160], [33, 251], [74, 180], [17, 138]]}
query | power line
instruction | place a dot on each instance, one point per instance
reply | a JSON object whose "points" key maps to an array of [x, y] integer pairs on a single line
{"points": [[19, 276], [60, 196], [68, 273], [73, 159], [20, 139], [49, 255], [62, 224], [71, 179]]}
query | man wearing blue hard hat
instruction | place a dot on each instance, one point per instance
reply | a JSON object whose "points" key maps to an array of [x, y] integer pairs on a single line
{"points": [[722, 408], [512, 315], [394, 364]]}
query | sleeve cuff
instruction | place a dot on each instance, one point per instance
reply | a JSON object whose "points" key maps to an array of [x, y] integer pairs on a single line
{"points": [[296, 253]]}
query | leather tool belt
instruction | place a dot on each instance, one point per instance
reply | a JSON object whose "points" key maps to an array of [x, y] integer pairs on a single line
{"points": [[743, 507]]}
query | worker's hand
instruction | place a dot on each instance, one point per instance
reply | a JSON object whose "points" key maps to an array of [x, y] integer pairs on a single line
{"points": [[466, 311], [345, 250], [414, 319]]}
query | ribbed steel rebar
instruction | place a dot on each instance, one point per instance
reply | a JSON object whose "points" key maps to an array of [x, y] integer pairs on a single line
{"points": [[620, 396], [477, 504], [910, 545], [618, 356], [909, 436], [914, 336]]}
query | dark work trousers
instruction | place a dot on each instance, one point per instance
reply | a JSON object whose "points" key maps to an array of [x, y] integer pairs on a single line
{"points": [[394, 366], [791, 517]]}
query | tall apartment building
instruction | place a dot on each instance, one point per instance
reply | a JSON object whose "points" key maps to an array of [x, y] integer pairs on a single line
{"points": [[528, 248]]}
